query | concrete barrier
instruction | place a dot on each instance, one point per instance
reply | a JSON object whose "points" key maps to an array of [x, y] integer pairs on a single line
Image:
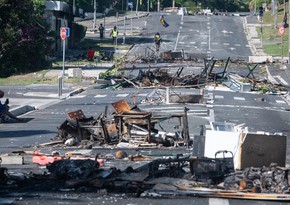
{"points": [[260, 59]]}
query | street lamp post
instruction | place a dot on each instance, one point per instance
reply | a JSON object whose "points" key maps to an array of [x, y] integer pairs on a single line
{"points": [[148, 5], [95, 15], [137, 7]]}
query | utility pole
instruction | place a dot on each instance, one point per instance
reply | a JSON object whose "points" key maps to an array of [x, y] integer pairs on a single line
{"points": [[117, 16], [124, 34], [255, 7], [148, 1], [276, 13], [158, 5], [137, 7], [131, 19], [95, 15]]}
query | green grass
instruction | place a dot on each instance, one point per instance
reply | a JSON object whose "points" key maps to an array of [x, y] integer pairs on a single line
{"points": [[271, 37], [34, 78]]}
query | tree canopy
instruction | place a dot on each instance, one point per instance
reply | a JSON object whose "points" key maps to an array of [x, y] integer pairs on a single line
{"points": [[24, 45]]}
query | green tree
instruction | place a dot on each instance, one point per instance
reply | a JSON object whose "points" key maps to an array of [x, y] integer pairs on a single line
{"points": [[23, 37]]}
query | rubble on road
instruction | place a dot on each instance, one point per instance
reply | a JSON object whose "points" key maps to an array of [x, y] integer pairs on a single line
{"points": [[157, 177], [126, 125], [249, 77]]}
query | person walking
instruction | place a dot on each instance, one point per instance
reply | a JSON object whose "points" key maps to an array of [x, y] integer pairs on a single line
{"points": [[101, 30], [114, 34], [157, 40]]}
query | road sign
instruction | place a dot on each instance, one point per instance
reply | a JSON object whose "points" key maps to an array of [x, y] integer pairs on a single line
{"points": [[281, 30], [63, 33], [130, 4], [67, 32]]}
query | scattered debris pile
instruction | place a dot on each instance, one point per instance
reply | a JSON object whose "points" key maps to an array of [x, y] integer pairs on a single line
{"points": [[242, 77], [126, 125], [160, 177], [272, 179]]}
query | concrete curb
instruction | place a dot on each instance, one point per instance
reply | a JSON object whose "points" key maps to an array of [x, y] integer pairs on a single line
{"points": [[22, 110], [75, 92]]}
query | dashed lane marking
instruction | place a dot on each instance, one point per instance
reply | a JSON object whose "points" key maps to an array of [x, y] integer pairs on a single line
{"points": [[122, 95], [142, 94], [239, 98], [100, 96], [219, 97]]}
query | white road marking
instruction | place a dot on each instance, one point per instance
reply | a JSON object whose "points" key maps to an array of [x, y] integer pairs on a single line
{"points": [[215, 43], [142, 94], [78, 96], [181, 42], [216, 201], [219, 97], [280, 101], [281, 79], [43, 94], [100, 96], [181, 23], [192, 42], [180, 27], [204, 43], [237, 44], [239, 98], [231, 48], [226, 44], [145, 23], [176, 41], [122, 95]]}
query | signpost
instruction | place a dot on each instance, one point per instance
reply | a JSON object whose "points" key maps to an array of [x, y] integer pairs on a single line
{"points": [[130, 4], [281, 32], [64, 33]]}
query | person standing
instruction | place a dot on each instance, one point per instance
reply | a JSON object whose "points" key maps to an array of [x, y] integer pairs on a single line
{"points": [[157, 40], [114, 34], [101, 29]]}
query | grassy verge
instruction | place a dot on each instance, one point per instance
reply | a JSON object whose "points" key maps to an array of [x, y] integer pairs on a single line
{"points": [[34, 78], [272, 42]]}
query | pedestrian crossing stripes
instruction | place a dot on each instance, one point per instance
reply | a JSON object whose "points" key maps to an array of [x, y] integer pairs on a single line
{"points": [[123, 95]]}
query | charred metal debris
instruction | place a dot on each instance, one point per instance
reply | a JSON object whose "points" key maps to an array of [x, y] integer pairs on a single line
{"points": [[252, 77], [173, 176], [128, 125]]}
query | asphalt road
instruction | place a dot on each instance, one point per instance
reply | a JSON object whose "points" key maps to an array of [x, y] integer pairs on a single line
{"points": [[203, 36], [220, 106]]}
